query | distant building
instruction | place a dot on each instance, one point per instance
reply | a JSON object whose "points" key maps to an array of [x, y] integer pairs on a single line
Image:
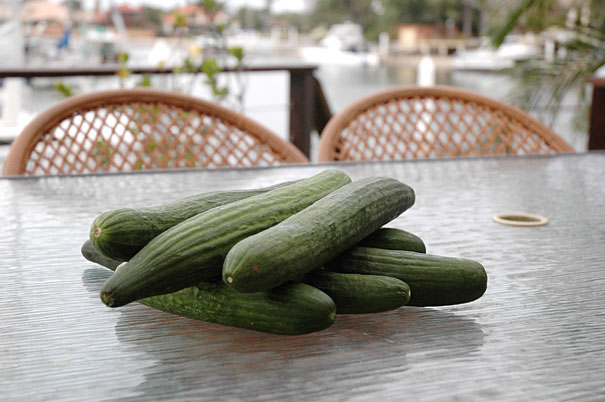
{"points": [[43, 17], [132, 16], [196, 19], [412, 37]]}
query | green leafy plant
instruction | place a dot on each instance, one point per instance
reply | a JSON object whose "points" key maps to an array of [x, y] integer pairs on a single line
{"points": [[214, 59], [65, 90], [123, 71], [543, 83], [145, 81], [211, 68]]}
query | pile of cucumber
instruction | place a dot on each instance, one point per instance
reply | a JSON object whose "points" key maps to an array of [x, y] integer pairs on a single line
{"points": [[283, 259]]}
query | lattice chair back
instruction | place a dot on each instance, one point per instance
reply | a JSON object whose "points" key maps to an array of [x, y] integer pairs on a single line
{"points": [[141, 129], [433, 122]]}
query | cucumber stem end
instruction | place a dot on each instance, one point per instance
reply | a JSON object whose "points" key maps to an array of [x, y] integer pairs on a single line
{"points": [[97, 232], [107, 299]]}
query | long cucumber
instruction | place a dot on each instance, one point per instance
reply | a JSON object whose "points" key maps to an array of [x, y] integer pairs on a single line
{"points": [[360, 294], [434, 280], [394, 239], [291, 309], [121, 233], [193, 250], [315, 235]]}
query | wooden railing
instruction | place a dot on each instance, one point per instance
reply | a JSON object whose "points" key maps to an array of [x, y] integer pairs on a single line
{"points": [[308, 107]]}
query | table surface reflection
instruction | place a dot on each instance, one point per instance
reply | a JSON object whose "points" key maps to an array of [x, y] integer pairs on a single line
{"points": [[537, 334]]}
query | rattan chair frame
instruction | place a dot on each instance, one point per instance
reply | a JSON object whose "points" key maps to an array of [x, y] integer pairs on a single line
{"points": [[43, 125], [332, 142]]}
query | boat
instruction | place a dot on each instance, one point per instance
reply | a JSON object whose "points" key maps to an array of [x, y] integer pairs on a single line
{"points": [[343, 44], [514, 48]]}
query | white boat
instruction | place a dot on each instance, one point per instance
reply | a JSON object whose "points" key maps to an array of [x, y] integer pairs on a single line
{"points": [[343, 44], [486, 58], [321, 55]]}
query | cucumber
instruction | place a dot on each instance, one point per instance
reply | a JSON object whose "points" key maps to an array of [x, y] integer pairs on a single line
{"points": [[394, 239], [433, 280], [90, 252], [193, 250], [315, 235], [360, 294], [291, 309], [121, 233]]}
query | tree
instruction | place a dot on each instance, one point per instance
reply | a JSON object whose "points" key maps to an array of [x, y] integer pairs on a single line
{"points": [[153, 17], [337, 11], [377, 16], [249, 17]]}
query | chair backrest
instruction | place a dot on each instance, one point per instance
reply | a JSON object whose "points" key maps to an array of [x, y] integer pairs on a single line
{"points": [[137, 129], [433, 122]]}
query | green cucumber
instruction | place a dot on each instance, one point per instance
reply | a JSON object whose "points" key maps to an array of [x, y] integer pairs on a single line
{"points": [[121, 233], [394, 239], [317, 234], [90, 252], [360, 294], [291, 309], [433, 280], [193, 250]]}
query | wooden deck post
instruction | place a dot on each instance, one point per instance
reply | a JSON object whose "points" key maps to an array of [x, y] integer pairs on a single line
{"points": [[301, 109], [323, 113], [596, 133]]}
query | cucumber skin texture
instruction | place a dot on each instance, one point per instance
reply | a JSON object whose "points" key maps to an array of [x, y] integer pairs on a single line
{"points": [[193, 250], [360, 294], [394, 239], [291, 309], [433, 280], [90, 252], [121, 233], [317, 234]]}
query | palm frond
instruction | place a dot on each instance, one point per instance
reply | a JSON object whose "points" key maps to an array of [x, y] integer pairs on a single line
{"points": [[542, 86], [534, 9]]}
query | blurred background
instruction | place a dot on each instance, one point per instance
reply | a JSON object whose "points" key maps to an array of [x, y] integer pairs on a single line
{"points": [[537, 54]]}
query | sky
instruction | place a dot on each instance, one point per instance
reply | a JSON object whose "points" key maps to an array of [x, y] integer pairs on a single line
{"points": [[278, 6]]}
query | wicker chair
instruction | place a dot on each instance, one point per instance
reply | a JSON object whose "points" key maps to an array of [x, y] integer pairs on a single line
{"points": [[136, 129], [433, 122]]}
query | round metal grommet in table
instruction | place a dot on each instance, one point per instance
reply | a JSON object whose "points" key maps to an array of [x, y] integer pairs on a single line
{"points": [[520, 219]]}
